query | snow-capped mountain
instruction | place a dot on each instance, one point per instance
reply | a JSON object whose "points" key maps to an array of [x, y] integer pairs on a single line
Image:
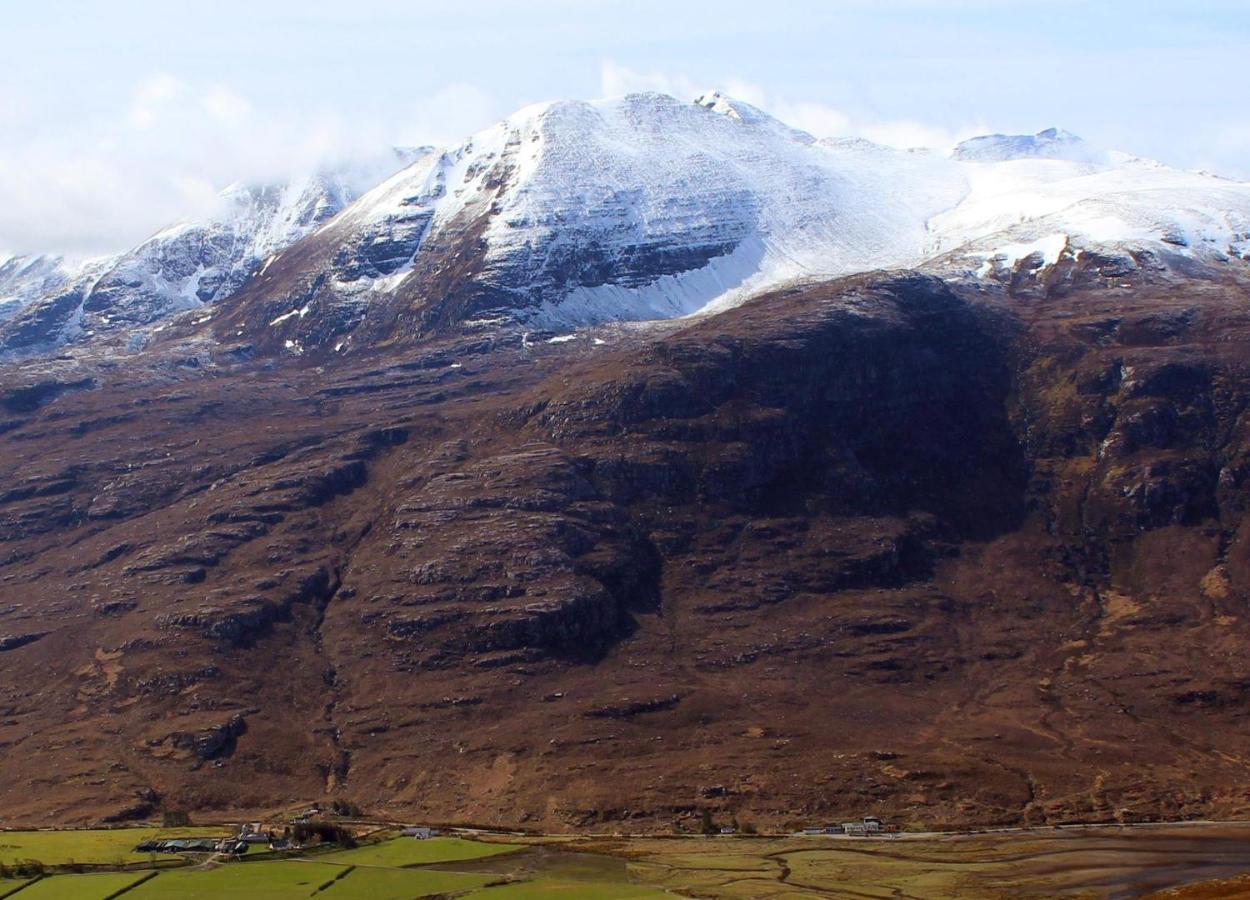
{"points": [[1033, 201], [573, 212], [648, 207], [636, 208], [181, 267]]}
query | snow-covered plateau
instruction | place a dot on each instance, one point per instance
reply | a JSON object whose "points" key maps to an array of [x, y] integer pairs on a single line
{"points": [[634, 208]]}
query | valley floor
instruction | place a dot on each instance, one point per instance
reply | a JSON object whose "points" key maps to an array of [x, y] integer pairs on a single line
{"points": [[1184, 860]]}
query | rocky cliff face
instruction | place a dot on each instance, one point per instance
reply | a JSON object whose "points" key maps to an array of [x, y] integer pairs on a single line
{"points": [[886, 543]]}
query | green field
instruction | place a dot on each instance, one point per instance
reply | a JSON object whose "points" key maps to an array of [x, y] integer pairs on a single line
{"points": [[554, 873], [406, 851], [399, 884], [551, 889], [293, 879], [1068, 862], [80, 887], [9, 885], [243, 880], [108, 846]]}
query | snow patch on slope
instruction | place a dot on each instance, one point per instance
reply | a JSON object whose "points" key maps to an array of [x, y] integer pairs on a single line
{"points": [[1125, 205]]}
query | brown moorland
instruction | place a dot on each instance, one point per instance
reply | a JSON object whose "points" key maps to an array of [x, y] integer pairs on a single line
{"points": [[877, 545]]}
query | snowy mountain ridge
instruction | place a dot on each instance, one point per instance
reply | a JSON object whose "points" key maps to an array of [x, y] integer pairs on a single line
{"points": [[50, 301], [645, 207], [24, 278]]}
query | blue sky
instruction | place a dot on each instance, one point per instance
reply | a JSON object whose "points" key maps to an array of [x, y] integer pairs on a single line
{"points": [[118, 117]]}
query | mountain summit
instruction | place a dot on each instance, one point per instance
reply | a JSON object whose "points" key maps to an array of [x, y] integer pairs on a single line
{"points": [[641, 207], [645, 207], [1053, 143]]}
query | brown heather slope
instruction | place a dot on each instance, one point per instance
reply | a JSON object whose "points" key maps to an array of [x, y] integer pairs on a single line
{"points": [[865, 546]]}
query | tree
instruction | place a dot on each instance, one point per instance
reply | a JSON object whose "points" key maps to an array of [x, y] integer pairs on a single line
{"points": [[706, 825], [176, 818], [323, 833], [22, 868]]}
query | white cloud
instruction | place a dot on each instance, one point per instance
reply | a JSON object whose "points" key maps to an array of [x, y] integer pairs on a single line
{"points": [[807, 114], [814, 118], [1226, 150], [904, 134], [616, 80], [152, 96], [225, 106], [450, 114], [163, 155], [823, 120]]}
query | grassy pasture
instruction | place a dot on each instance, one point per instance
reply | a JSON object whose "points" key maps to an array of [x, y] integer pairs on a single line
{"points": [[292, 879], [104, 846], [400, 884], [406, 851], [245, 881], [556, 889], [1199, 861], [80, 887], [11, 885]]}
